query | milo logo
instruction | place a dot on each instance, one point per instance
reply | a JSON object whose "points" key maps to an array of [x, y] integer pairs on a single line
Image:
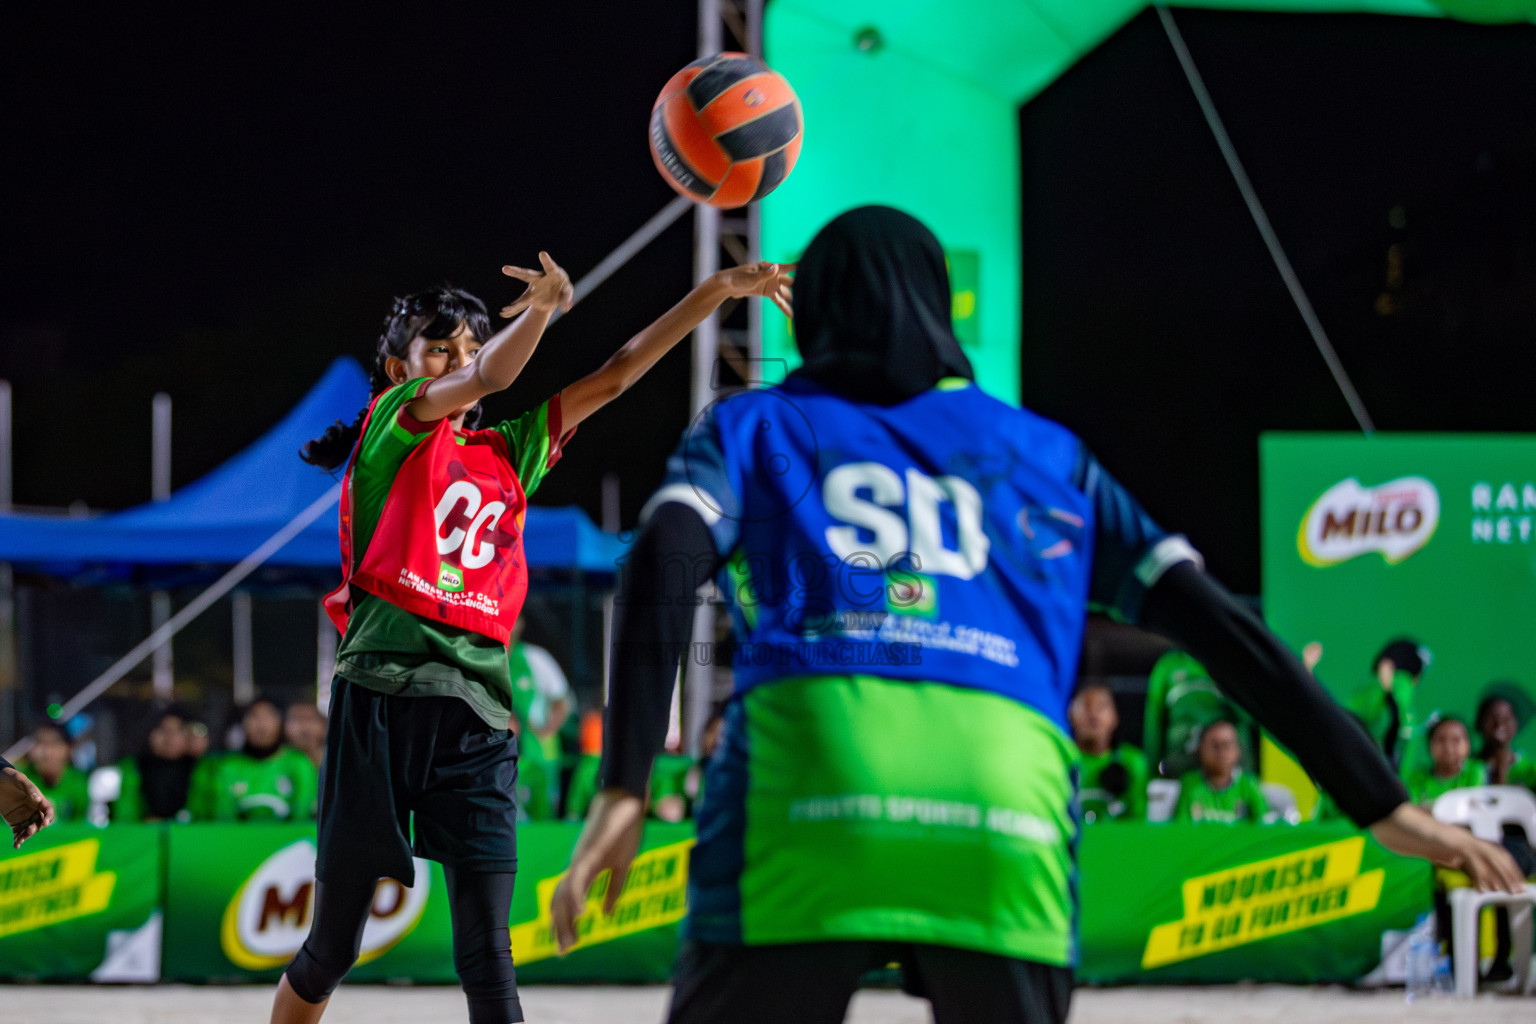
{"points": [[1394, 519], [268, 919], [449, 578]]}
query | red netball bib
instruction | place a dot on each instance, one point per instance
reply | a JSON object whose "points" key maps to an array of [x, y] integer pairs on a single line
{"points": [[449, 543]]}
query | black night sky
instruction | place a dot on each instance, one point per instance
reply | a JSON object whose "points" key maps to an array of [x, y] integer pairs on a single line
{"points": [[216, 202]]}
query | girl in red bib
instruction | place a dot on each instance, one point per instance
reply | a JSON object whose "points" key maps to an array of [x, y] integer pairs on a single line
{"points": [[420, 760]]}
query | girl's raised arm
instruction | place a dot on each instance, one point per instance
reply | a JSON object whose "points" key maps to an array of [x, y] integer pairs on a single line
{"points": [[503, 357], [640, 353]]}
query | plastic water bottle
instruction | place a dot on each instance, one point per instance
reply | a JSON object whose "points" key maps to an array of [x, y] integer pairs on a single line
{"points": [[1423, 954], [1445, 980]]}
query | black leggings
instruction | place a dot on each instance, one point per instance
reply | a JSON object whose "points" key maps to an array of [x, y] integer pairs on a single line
{"points": [[480, 903]]}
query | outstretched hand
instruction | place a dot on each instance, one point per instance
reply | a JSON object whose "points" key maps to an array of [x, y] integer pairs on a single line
{"points": [[548, 289], [1413, 832], [608, 843], [771, 280], [23, 806]]}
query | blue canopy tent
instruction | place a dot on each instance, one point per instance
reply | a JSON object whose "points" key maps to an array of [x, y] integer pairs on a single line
{"points": [[224, 516], [266, 509]]}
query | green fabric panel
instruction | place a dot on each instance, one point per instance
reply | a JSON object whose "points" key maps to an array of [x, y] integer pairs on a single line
{"points": [[909, 811]]}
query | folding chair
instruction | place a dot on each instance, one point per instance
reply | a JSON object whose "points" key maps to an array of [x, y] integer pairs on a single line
{"points": [[1485, 810]]}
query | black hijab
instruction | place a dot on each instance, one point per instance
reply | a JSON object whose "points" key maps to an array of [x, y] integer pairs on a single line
{"points": [[872, 308], [164, 782]]}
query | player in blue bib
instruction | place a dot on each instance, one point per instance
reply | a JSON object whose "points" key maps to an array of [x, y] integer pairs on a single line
{"points": [[910, 563]]}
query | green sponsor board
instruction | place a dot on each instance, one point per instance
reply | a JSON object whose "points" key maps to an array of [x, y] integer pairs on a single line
{"points": [[242, 897], [1160, 903], [79, 902], [1221, 903], [1427, 536]]}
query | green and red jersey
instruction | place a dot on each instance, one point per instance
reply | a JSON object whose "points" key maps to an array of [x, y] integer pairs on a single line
{"points": [[389, 649]]}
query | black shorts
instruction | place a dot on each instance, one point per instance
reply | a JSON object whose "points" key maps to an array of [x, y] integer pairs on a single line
{"points": [[422, 776], [812, 983]]}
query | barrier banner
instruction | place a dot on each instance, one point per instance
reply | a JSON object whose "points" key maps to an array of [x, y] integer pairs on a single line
{"points": [[241, 897], [1160, 903], [1221, 903], [80, 902], [1432, 537]]}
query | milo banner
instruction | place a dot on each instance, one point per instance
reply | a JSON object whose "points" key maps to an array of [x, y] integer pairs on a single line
{"points": [[1221, 903], [241, 898], [1430, 537], [78, 902], [1159, 903]]}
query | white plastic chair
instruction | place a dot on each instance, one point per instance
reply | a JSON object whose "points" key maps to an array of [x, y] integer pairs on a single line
{"points": [[1162, 799], [1282, 804], [1485, 810]]}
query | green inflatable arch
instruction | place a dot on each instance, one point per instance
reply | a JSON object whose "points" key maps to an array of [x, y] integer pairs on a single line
{"points": [[913, 103]]}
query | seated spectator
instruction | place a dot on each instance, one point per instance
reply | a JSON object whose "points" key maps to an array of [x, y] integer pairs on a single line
{"points": [[1386, 705], [1452, 765], [1112, 781], [1220, 791], [1497, 726], [677, 781], [304, 730], [264, 780], [157, 781], [1182, 699], [583, 787], [541, 700], [48, 765], [669, 774]]}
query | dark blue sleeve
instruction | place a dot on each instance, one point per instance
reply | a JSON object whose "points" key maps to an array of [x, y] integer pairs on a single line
{"points": [[4, 763], [1130, 551], [698, 477]]}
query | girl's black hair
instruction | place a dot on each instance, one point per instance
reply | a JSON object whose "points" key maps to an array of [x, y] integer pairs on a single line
{"points": [[1436, 721], [436, 314], [1486, 705]]}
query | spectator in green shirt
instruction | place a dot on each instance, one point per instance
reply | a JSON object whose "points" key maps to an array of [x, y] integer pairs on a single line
{"points": [[1386, 706], [47, 765], [1112, 780], [677, 781], [156, 782], [264, 780], [1497, 725], [1220, 791], [304, 730], [1452, 767]]}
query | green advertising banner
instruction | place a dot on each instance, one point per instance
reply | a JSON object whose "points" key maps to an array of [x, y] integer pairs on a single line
{"points": [[1219, 903], [1431, 537], [79, 902], [1160, 903], [241, 898]]}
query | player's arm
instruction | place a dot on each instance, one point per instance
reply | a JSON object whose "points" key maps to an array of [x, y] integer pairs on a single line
{"points": [[503, 357], [644, 350], [654, 626], [22, 804]]}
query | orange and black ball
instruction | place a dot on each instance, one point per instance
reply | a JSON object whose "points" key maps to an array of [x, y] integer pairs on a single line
{"points": [[726, 130]]}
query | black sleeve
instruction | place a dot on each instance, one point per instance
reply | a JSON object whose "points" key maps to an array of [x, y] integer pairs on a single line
{"points": [[1262, 675], [673, 556], [4, 764]]}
